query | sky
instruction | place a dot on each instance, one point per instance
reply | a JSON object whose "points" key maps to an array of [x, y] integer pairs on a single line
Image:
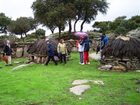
{"points": [[22, 8]]}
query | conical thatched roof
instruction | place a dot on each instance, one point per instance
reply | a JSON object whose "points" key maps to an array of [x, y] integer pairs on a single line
{"points": [[3, 42], [123, 47], [39, 47]]}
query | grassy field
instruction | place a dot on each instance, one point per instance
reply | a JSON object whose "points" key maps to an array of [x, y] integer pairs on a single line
{"points": [[49, 85]]}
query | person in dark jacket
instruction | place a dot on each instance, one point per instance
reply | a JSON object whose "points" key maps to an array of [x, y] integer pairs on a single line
{"points": [[51, 53], [8, 52], [86, 43], [104, 40]]}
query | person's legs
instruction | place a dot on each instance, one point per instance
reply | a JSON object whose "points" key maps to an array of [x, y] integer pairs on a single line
{"points": [[88, 62], [81, 57], [48, 60], [64, 57], [85, 56], [60, 57], [54, 60], [9, 60]]}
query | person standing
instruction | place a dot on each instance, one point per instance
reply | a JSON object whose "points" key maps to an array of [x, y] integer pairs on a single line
{"points": [[51, 53], [81, 50], [86, 43], [62, 51], [8, 52], [104, 40]]}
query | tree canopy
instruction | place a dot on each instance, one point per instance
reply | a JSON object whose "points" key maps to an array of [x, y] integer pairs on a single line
{"points": [[22, 25], [4, 22], [59, 13], [120, 25]]}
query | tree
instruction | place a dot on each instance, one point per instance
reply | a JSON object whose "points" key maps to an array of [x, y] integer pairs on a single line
{"points": [[59, 13], [120, 25], [50, 13], [103, 26], [87, 10], [136, 20], [4, 22], [21, 26], [40, 33]]}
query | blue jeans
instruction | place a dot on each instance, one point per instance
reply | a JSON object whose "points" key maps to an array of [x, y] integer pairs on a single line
{"points": [[81, 57]]}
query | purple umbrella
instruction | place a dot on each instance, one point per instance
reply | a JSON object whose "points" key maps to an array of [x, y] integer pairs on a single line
{"points": [[81, 34]]}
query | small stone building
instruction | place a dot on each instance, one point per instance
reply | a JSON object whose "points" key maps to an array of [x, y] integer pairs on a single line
{"points": [[122, 51]]}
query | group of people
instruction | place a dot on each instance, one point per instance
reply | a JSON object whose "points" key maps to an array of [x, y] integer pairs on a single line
{"points": [[83, 48], [61, 51]]}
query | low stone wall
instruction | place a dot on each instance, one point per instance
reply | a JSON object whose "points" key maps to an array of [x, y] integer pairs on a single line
{"points": [[128, 64]]}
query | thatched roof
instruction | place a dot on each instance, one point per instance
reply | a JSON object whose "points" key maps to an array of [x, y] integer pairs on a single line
{"points": [[3, 42], [123, 47], [39, 47]]}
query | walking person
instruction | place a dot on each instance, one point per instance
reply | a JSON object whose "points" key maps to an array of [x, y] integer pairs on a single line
{"points": [[8, 53], [51, 53], [62, 51]]}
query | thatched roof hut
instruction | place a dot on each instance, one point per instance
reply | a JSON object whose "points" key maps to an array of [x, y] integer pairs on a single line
{"points": [[3, 42], [39, 47], [122, 52], [121, 47]]}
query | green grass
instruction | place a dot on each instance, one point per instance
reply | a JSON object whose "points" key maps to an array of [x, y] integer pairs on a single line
{"points": [[49, 85]]}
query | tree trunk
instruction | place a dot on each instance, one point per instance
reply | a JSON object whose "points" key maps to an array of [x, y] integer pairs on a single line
{"points": [[23, 46], [82, 24], [52, 30], [70, 27], [25, 35], [21, 37], [75, 24], [59, 32]]}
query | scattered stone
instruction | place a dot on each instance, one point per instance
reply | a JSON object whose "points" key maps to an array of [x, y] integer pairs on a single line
{"points": [[98, 82], [138, 71], [21, 66], [105, 67], [79, 82], [78, 90], [138, 90], [137, 81], [84, 81], [80, 98], [17, 62], [95, 56], [119, 68]]}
